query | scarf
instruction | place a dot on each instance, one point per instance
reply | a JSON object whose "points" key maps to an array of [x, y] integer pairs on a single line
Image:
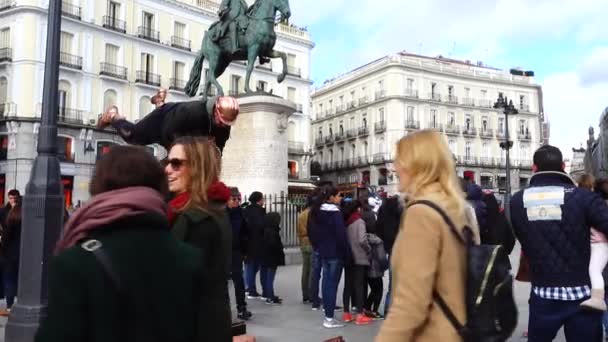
{"points": [[354, 217], [107, 208], [217, 192]]}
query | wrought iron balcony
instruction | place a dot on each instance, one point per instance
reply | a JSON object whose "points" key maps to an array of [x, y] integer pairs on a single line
{"points": [[112, 70], [524, 136], [380, 94], [500, 134], [70, 116], [411, 93], [525, 164], [71, 10], [362, 161], [177, 84], [339, 108], [452, 129], [338, 137], [319, 141], [435, 97], [148, 33], [469, 131], [486, 161], [147, 78], [467, 101], [351, 104], [7, 109], [363, 100], [468, 160], [114, 24], [363, 131], [485, 104], [6, 54], [412, 124], [6, 4], [486, 133], [293, 71], [524, 108], [295, 147], [379, 158], [329, 139], [70, 61], [181, 43], [351, 134], [451, 99], [380, 126]]}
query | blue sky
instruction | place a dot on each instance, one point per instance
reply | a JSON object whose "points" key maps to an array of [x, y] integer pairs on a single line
{"points": [[564, 41]]}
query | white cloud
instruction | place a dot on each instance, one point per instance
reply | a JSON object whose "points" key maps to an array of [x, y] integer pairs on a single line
{"points": [[594, 68]]}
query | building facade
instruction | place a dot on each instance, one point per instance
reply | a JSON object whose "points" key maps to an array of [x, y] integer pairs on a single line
{"points": [[119, 52], [360, 116]]}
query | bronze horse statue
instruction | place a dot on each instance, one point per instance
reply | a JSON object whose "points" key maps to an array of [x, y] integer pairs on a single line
{"points": [[256, 39]]}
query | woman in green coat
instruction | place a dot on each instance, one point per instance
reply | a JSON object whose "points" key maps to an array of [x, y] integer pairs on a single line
{"points": [[149, 288], [199, 219]]}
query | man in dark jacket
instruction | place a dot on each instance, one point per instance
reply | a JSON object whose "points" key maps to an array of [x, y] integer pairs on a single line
{"points": [[13, 197], [387, 227], [239, 241], [552, 219], [475, 198], [254, 217]]}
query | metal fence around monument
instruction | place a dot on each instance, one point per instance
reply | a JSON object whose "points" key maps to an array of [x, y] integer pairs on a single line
{"points": [[288, 206]]}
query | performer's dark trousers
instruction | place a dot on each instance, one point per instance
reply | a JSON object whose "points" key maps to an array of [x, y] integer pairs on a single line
{"points": [[237, 280]]}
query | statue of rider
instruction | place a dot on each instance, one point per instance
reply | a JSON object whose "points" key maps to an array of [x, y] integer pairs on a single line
{"points": [[230, 11]]}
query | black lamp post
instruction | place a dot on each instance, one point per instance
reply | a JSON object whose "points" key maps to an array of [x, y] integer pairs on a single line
{"points": [[43, 202], [508, 109]]}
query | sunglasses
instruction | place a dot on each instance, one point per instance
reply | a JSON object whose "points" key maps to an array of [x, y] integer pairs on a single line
{"points": [[175, 163]]}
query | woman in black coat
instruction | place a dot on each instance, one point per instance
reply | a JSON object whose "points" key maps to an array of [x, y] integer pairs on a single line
{"points": [[271, 256], [499, 230], [9, 249]]}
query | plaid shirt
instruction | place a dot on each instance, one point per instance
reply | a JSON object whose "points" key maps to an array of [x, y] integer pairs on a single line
{"points": [[563, 293]]}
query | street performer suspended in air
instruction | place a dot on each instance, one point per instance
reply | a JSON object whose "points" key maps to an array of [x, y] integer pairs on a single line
{"points": [[171, 120]]}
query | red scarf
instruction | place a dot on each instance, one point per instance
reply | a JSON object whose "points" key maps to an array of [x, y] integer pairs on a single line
{"points": [[354, 217], [217, 192]]}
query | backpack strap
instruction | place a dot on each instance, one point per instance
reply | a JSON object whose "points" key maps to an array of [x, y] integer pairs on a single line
{"points": [[94, 246], [449, 314]]}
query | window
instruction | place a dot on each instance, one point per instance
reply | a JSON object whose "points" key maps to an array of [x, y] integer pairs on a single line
{"points": [[484, 94], [331, 155], [501, 125], [468, 122], [291, 131], [410, 84], [331, 105], [109, 99], [522, 127], [5, 37], [291, 59], [381, 85], [433, 118], [341, 102], [484, 124], [467, 92], [3, 93], [365, 148], [147, 63], [451, 119], [65, 148], [148, 21], [320, 108], [364, 120], [522, 102], [291, 94], [179, 30], [235, 87], [262, 86], [485, 150], [450, 91], [352, 96], [65, 97], [331, 130], [352, 122], [3, 152], [410, 114], [145, 106], [112, 54], [342, 153], [320, 132], [452, 145], [381, 146], [341, 128], [178, 70], [353, 151], [433, 88], [381, 114], [467, 150], [66, 42]]}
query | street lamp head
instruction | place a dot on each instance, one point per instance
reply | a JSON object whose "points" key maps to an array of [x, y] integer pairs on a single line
{"points": [[500, 103]]}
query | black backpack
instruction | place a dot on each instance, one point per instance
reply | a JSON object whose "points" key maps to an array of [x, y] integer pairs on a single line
{"points": [[491, 308]]}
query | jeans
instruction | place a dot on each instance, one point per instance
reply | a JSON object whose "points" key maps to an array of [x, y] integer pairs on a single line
{"points": [[332, 272], [354, 287], [251, 270], [315, 278], [11, 275], [267, 275], [306, 264], [387, 301], [237, 280], [548, 316]]}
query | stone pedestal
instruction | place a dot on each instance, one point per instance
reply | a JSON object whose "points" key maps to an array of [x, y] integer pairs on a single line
{"points": [[255, 157]]}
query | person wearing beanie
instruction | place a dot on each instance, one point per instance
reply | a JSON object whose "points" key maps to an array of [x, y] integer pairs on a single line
{"points": [[171, 120], [254, 218]]}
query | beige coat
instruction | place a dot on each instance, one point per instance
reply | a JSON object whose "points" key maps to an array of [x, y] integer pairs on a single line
{"points": [[426, 257]]}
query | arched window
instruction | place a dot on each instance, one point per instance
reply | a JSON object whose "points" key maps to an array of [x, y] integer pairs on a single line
{"points": [[65, 95], [145, 106], [109, 99], [291, 131]]}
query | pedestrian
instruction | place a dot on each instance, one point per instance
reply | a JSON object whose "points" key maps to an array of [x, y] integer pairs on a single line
{"points": [[378, 262], [427, 257], [171, 120], [305, 249], [13, 196], [271, 257], [552, 219], [356, 267], [199, 218], [239, 242], [475, 200], [389, 218], [328, 236], [498, 231], [586, 181], [118, 274], [10, 244], [254, 216]]}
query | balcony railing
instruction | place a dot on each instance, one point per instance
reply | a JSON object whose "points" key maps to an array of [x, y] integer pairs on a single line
{"points": [[485, 161], [379, 158], [487, 133], [412, 124], [468, 160], [329, 139], [177, 84], [340, 137], [112, 70], [148, 33], [411, 93], [6, 4], [114, 24], [380, 126], [451, 99], [363, 100], [147, 78], [486, 104], [70, 115], [351, 133], [500, 134], [525, 163], [71, 10], [351, 105], [181, 43], [6, 54], [469, 131], [340, 108], [380, 94], [70, 61], [7, 109], [435, 97], [66, 158], [295, 147], [319, 141], [363, 131], [293, 71], [467, 101], [524, 107], [452, 129], [362, 161], [524, 136]]}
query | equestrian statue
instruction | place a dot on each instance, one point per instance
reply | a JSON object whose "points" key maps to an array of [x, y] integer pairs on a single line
{"points": [[241, 34], [596, 155]]}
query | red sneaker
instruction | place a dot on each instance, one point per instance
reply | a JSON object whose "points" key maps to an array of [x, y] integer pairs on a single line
{"points": [[347, 317], [363, 320]]}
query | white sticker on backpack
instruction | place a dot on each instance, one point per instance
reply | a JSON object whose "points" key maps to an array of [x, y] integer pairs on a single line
{"points": [[544, 203]]}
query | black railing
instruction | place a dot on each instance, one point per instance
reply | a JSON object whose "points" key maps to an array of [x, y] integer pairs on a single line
{"points": [[486, 133], [351, 104], [70, 61], [380, 126], [362, 161], [70, 115], [114, 24], [412, 124], [71, 10], [181, 43], [363, 131], [379, 158], [319, 141], [525, 136], [6, 54], [435, 97], [112, 70], [291, 70], [524, 107], [177, 84], [451, 99], [147, 78], [329, 139], [469, 131], [351, 133], [148, 33], [6, 4]]}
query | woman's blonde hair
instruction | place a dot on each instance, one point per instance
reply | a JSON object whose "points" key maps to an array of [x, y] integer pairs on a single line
{"points": [[428, 160], [203, 161], [586, 181]]}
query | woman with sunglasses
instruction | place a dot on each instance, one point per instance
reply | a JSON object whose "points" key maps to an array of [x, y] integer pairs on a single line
{"points": [[199, 218], [327, 233]]}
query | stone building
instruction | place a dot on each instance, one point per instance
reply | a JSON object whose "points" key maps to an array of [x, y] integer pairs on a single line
{"points": [[120, 52], [359, 116]]}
